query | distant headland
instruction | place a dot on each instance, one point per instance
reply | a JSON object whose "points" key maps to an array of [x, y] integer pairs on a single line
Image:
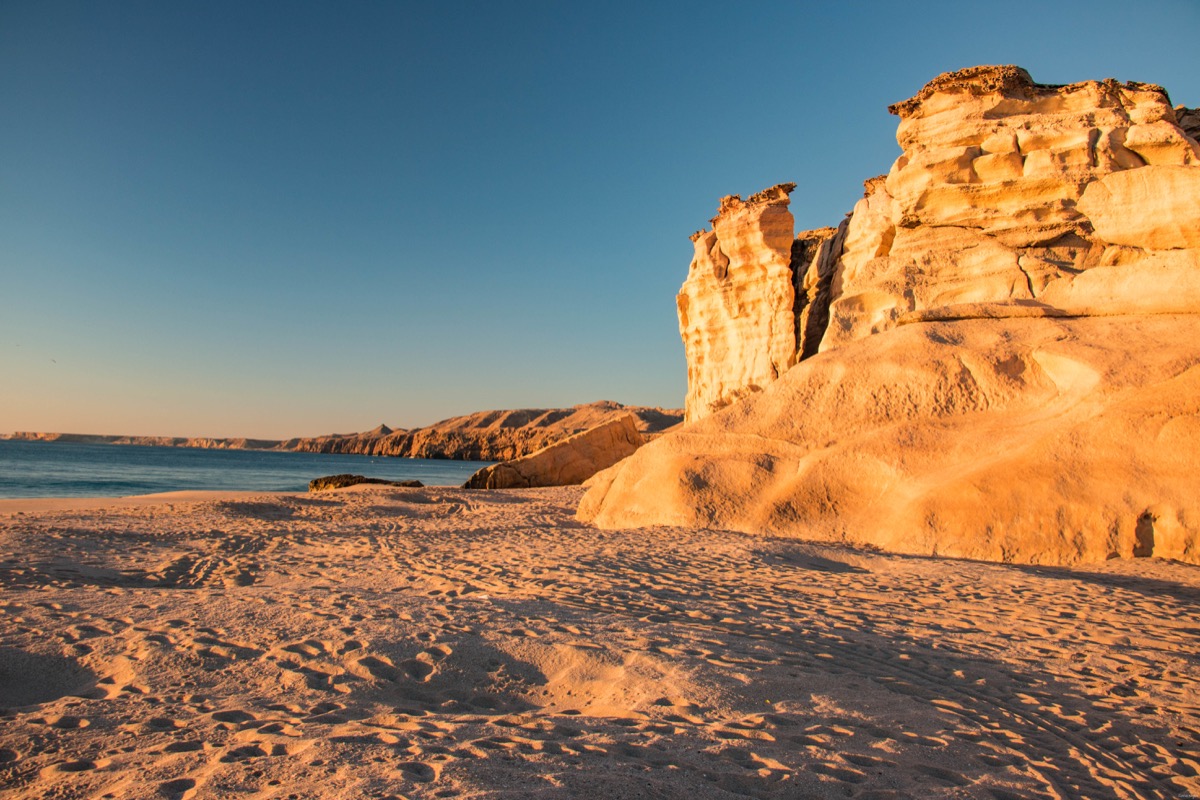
{"points": [[482, 436]]}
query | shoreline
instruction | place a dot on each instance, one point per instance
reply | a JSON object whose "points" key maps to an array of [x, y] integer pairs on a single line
{"points": [[52, 471], [36, 505]]}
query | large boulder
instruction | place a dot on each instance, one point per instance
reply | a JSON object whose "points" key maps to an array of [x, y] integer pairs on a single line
{"points": [[565, 463]]}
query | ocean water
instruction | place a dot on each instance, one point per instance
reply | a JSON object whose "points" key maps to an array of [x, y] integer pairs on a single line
{"points": [[56, 469]]}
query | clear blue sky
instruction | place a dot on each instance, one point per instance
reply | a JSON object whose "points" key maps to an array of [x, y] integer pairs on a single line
{"points": [[290, 218]]}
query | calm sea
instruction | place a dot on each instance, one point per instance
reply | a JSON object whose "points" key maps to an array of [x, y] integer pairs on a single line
{"points": [[54, 469]]}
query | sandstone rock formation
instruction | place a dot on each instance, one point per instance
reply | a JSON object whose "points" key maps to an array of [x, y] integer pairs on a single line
{"points": [[565, 463], [735, 308], [986, 205], [814, 257], [1072, 199], [1009, 364]]}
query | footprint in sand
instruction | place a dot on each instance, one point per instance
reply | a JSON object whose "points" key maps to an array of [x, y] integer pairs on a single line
{"points": [[163, 724], [178, 789], [235, 716], [868, 761], [328, 714], [424, 666], [80, 765], [310, 648], [243, 753], [938, 773], [64, 722], [420, 771], [350, 646], [420, 668], [380, 668]]}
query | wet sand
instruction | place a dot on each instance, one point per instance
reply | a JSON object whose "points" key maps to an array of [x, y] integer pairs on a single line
{"points": [[388, 643]]}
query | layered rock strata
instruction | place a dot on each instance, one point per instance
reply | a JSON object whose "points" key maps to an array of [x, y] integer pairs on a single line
{"points": [[1013, 197], [1009, 365], [985, 206], [566, 463], [735, 308], [756, 299]]}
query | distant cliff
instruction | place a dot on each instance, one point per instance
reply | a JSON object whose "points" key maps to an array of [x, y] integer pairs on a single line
{"points": [[482, 436]]}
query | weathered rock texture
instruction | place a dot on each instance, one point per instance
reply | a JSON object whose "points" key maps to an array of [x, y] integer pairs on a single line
{"points": [[814, 257], [482, 436], [1009, 364], [565, 463], [756, 299], [1075, 199], [735, 308]]}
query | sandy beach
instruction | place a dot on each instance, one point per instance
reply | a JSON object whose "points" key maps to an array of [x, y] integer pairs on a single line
{"points": [[389, 643]]}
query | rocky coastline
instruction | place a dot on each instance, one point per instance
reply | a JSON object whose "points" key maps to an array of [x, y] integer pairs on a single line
{"points": [[482, 436]]}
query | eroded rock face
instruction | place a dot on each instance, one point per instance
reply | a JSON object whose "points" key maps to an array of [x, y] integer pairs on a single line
{"points": [[566, 463], [735, 308], [1010, 367], [1016, 193]]}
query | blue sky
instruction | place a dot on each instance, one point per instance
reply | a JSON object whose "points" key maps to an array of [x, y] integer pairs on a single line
{"points": [[291, 218]]}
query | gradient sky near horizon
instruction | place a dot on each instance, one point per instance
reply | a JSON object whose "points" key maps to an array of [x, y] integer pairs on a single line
{"points": [[276, 219]]}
